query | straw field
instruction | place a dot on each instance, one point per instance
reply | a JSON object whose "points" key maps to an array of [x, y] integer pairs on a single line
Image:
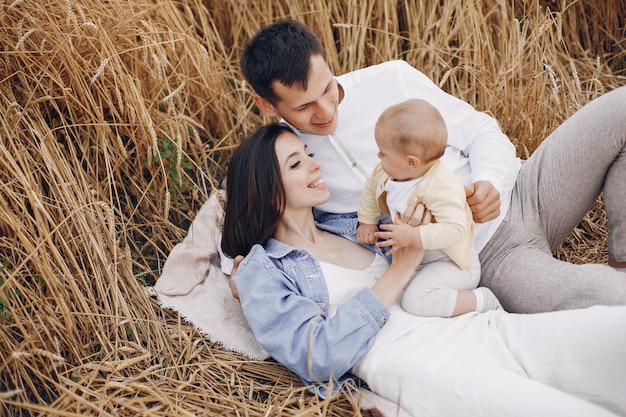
{"points": [[117, 119]]}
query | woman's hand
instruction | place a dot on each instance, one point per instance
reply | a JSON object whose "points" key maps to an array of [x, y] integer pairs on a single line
{"points": [[231, 283], [398, 235], [403, 232]]}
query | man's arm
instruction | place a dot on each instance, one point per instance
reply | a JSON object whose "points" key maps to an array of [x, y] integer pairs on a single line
{"points": [[478, 136]]}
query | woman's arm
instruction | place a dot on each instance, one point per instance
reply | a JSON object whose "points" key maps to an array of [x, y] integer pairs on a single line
{"points": [[403, 265], [288, 315], [405, 260], [285, 304]]}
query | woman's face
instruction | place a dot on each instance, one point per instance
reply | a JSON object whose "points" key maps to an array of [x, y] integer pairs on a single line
{"points": [[300, 172]]}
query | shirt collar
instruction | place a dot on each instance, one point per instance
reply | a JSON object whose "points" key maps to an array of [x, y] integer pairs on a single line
{"points": [[277, 249]]}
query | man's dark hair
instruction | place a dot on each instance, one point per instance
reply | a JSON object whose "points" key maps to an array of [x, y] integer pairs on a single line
{"points": [[280, 52]]}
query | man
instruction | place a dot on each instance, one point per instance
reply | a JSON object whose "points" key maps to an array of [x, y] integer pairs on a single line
{"points": [[522, 211]]}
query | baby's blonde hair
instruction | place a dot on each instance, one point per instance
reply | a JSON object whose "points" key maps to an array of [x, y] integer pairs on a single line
{"points": [[415, 126]]}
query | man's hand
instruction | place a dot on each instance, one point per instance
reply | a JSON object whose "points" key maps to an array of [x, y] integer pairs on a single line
{"points": [[231, 283], [484, 200], [414, 213]]}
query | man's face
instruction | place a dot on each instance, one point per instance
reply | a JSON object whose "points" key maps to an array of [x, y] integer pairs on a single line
{"points": [[313, 110]]}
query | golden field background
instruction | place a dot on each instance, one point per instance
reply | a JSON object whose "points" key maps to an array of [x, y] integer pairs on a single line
{"points": [[117, 120]]}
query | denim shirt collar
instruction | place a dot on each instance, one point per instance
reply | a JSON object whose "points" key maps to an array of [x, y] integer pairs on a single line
{"points": [[276, 249]]}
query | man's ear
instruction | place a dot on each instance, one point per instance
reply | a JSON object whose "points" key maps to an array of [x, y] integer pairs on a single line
{"points": [[265, 106], [413, 162]]}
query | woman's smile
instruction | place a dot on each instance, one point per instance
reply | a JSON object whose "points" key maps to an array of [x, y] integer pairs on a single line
{"points": [[317, 183]]}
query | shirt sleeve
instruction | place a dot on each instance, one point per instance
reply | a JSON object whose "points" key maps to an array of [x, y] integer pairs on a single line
{"points": [[369, 212], [295, 329], [443, 195], [477, 135]]}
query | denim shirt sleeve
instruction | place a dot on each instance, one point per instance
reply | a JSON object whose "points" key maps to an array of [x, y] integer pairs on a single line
{"points": [[285, 303]]}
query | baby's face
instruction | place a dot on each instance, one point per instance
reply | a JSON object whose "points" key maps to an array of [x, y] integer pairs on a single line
{"points": [[394, 162]]}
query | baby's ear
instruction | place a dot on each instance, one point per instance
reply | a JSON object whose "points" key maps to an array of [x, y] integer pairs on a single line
{"points": [[413, 162]]}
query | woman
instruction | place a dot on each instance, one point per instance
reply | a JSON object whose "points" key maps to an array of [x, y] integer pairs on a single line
{"points": [[326, 307]]}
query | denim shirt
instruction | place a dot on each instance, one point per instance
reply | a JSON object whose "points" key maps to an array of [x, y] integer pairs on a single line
{"points": [[285, 300], [345, 224]]}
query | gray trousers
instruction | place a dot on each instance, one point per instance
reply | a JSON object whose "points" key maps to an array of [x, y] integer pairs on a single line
{"points": [[555, 188]]}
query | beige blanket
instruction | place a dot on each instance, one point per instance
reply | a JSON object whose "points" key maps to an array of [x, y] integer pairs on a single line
{"points": [[193, 284]]}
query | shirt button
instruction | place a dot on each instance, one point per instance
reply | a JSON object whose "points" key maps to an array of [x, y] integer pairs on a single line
{"points": [[382, 323]]}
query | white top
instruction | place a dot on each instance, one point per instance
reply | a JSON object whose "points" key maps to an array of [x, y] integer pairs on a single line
{"points": [[398, 193], [344, 283], [349, 154]]}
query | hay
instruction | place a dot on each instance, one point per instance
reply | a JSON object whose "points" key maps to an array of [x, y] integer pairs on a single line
{"points": [[118, 119]]}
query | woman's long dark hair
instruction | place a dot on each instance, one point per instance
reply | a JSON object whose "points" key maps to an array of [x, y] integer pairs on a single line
{"points": [[255, 197]]}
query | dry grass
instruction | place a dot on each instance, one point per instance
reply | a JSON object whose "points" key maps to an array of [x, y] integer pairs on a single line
{"points": [[118, 119]]}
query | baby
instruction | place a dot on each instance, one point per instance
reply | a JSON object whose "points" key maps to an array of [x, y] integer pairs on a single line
{"points": [[411, 138]]}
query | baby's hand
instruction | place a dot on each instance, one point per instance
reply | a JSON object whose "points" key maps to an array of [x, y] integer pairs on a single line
{"points": [[366, 233], [396, 236], [399, 234]]}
